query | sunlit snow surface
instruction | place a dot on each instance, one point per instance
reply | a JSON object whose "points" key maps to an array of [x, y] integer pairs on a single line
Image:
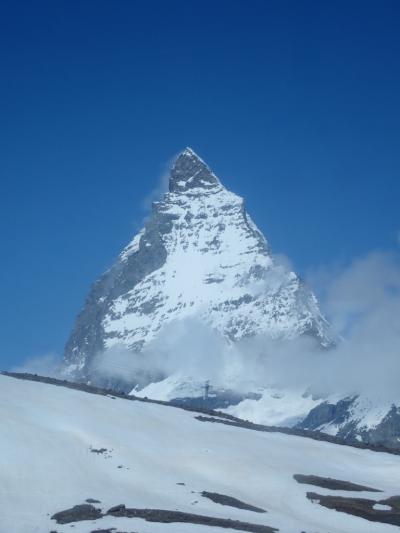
{"points": [[217, 266], [46, 465]]}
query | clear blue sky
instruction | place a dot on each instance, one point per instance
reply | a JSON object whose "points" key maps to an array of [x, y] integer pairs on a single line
{"points": [[295, 105]]}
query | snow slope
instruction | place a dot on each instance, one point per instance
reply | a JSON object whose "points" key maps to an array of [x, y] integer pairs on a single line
{"points": [[46, 466]]}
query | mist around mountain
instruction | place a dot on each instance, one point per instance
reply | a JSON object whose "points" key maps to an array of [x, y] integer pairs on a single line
{"points": [[198, 297]]}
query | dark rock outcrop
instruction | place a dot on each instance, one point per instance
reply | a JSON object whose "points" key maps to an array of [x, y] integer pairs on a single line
{"points": [[332, 484], [168, 517], [78, 513], [363, 508], [223, 499]]}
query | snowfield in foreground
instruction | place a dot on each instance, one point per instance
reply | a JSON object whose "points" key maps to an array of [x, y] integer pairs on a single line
{"points": [[60, 447]]}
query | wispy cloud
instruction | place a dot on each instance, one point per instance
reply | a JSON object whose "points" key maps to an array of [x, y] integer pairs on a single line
{"points": [[363, 302], [43, 365], [160, 188]]}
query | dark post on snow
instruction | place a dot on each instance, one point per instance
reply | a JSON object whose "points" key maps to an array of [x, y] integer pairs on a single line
{"points": [[206, 389]]}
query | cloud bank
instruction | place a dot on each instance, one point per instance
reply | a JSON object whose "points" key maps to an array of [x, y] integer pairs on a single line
{"points": [[43, 365], [362, 302]]}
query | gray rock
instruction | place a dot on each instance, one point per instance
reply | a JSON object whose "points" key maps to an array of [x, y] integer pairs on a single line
{"points": [[77, 513], [385, 433]]}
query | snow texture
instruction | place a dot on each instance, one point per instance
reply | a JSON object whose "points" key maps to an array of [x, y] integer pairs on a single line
{"points": [[162, 457]]}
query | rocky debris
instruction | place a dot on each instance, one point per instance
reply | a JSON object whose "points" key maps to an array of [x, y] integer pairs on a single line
{"points": [[98, 450], [363, 508], [78, 513], [231, 502], [332, 484], [167, 517], [110, 530], [105, 452]]}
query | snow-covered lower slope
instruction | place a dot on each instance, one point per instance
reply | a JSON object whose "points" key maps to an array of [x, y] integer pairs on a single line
{"points": [[60, 447]]}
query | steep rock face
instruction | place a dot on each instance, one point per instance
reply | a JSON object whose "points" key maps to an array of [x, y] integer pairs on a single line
{"points": [[199, 254], [357, 419]]}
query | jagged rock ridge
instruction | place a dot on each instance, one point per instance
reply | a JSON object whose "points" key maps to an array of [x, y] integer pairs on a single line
{"points": [[199, 254]]}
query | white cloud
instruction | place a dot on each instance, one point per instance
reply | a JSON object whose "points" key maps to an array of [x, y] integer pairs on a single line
{"points": [[43, 365], [363, 302], [161, 187], [155, 194]]}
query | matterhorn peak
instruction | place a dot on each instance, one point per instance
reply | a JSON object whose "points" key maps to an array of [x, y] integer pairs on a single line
{"points": [[199, 256], [189, 171]]}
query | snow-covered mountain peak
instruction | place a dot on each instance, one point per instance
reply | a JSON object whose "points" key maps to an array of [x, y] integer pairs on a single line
{"points": [[190, 172], [199, 256]]}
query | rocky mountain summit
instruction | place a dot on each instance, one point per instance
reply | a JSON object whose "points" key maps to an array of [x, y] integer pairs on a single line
{"points": [[199, 254]]}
